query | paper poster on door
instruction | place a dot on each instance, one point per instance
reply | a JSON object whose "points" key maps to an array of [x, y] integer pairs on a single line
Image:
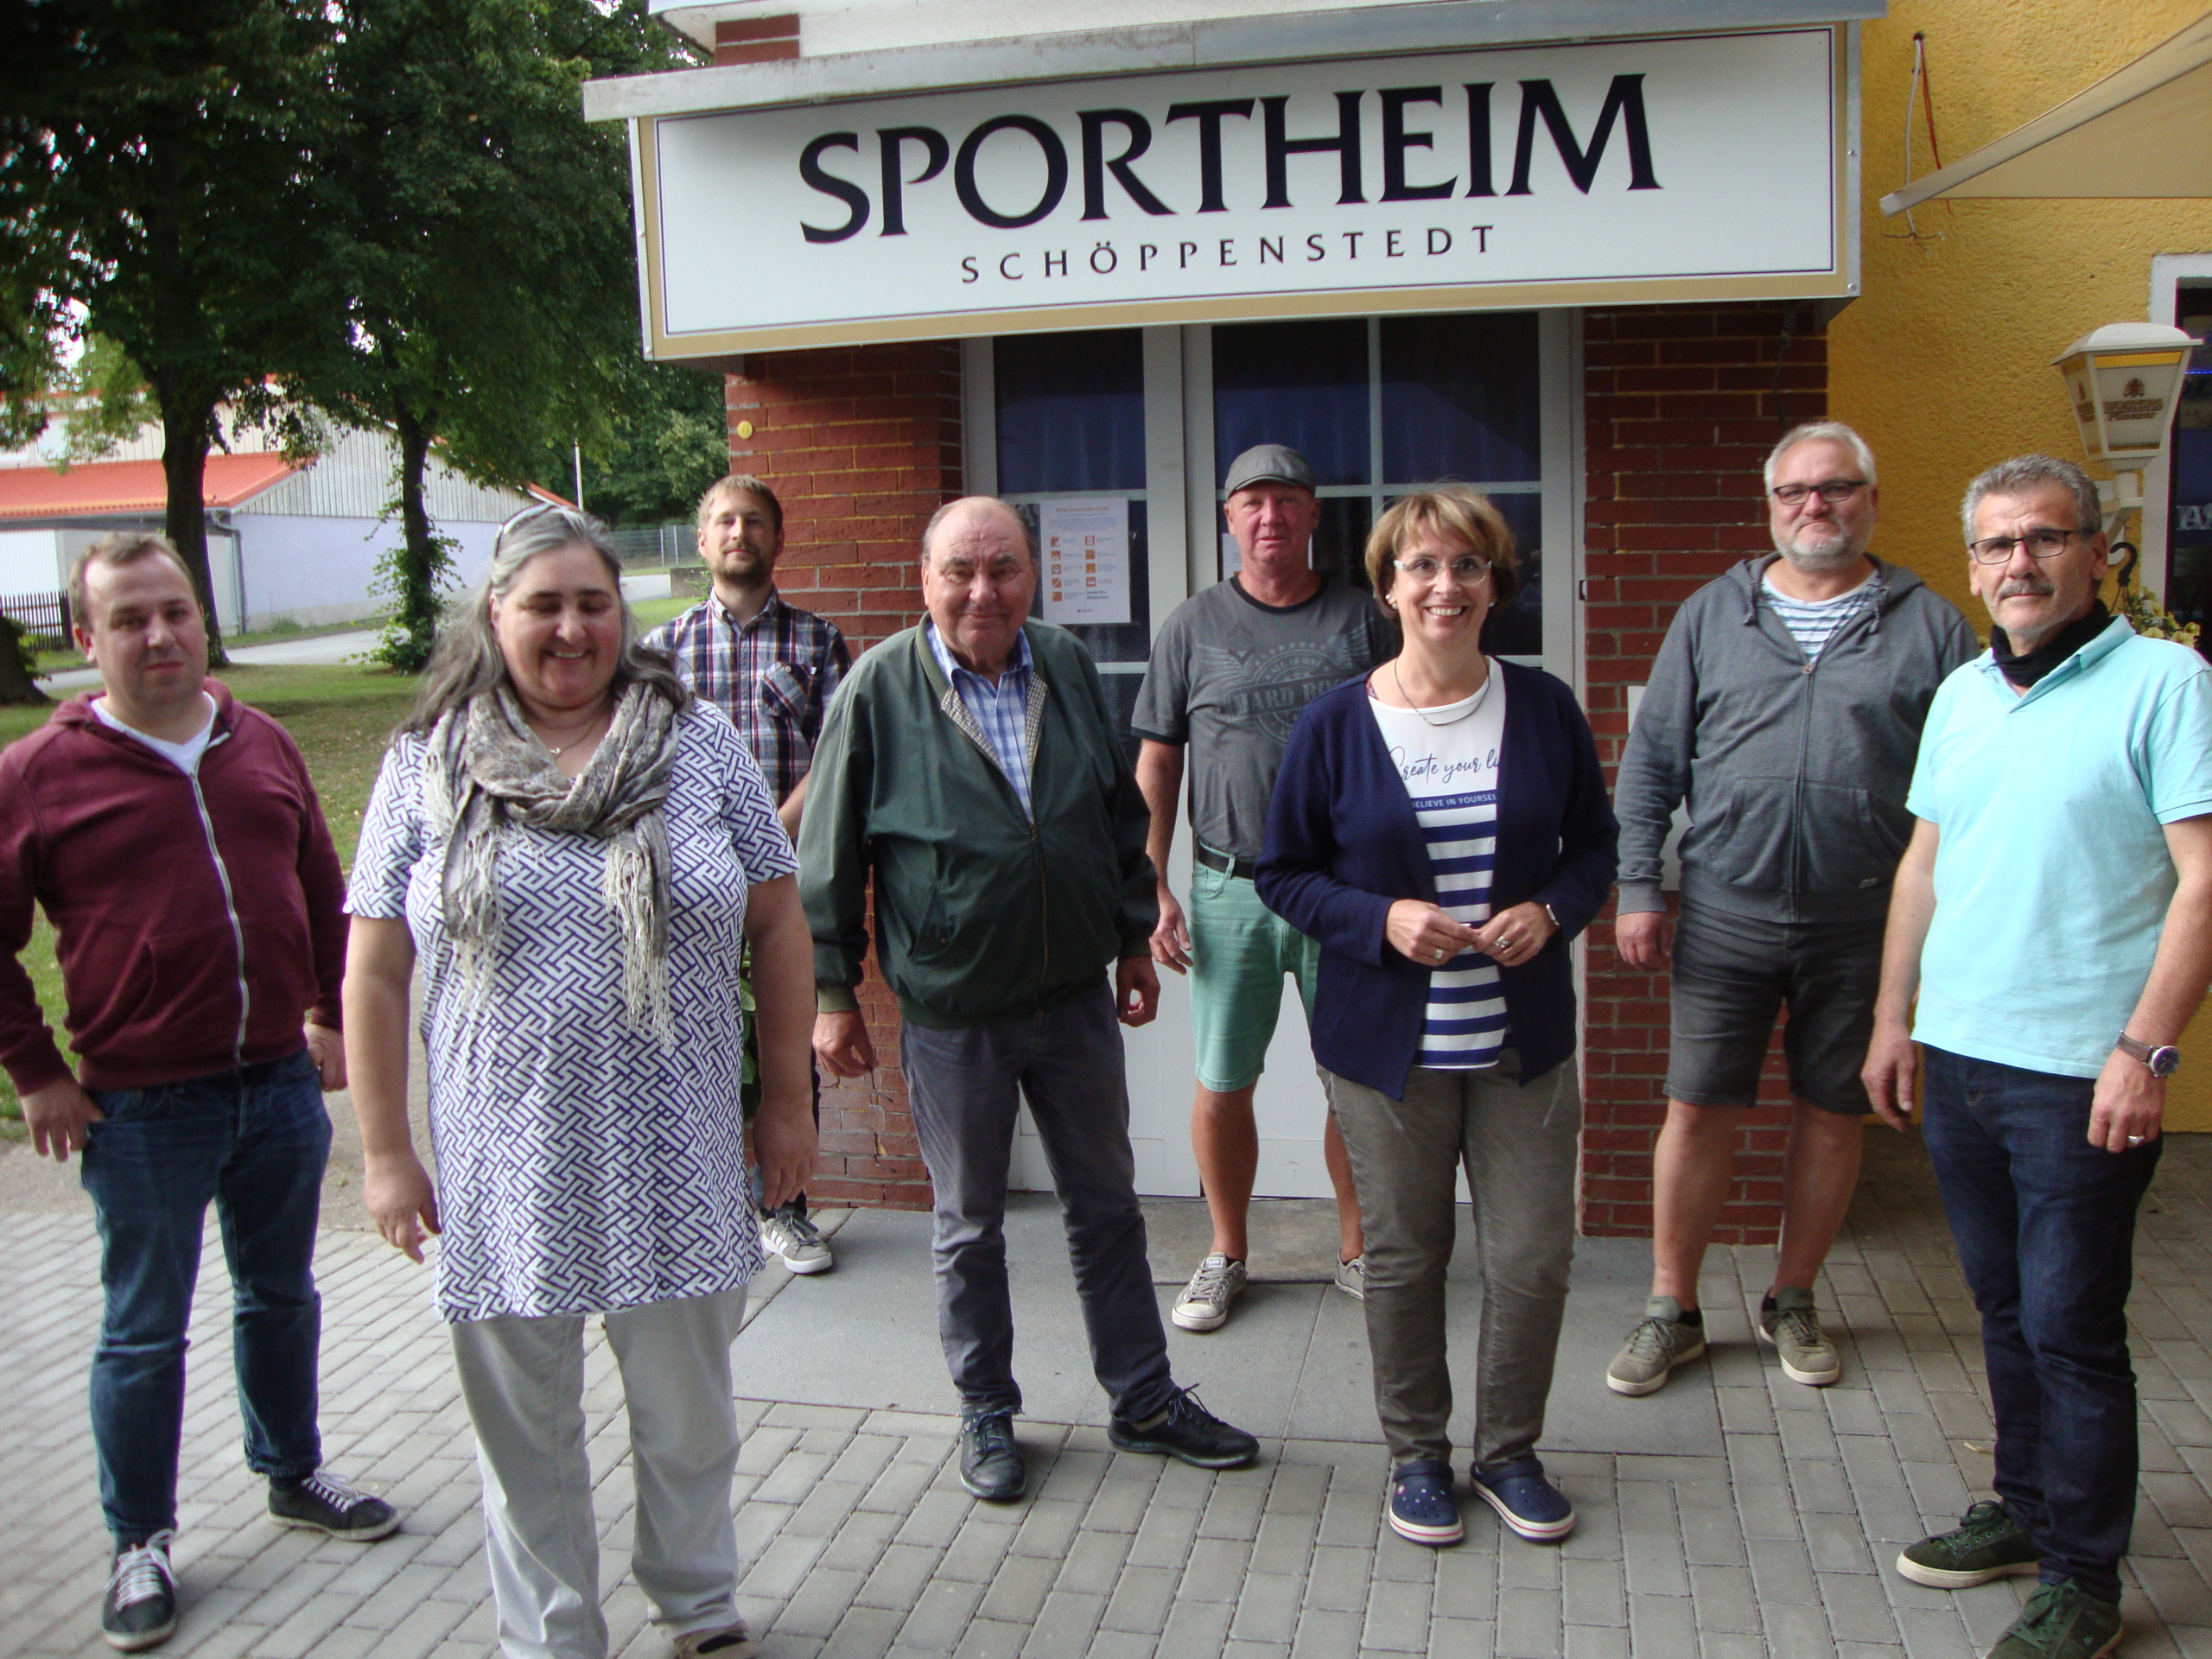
{"points": [[1084, 548]]}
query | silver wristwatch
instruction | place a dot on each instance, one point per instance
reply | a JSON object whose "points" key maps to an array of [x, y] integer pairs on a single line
{"points": [[2163, 1060]]}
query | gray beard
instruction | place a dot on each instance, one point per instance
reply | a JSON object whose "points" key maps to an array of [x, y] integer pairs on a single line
{"points": [[1821, 563]]}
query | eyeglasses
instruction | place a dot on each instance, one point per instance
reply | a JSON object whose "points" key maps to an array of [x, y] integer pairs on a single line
{"points": [[1467, 570], [1833, 491], [2040, 543]]}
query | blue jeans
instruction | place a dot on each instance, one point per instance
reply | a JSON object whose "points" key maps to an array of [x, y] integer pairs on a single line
{"points": [[2045, 1225], [254, 1141], [964, 1083]]}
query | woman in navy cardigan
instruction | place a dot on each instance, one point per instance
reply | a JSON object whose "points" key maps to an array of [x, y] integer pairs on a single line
{"points": [[1441, 827]]}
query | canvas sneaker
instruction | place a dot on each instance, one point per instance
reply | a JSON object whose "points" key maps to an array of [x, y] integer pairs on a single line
{"points": [[789, 1234], [1204, 1306], [1352, 1278], [1987, 1544], [1654, 1349], [139, 1609], [1422, 1509], [720, 1642], [2062, 1621], [1788, 1320], [326, 1504]]}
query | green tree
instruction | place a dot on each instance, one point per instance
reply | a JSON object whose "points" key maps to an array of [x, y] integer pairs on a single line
{"points": [[667, 439], [154, 161], [474, 234]]}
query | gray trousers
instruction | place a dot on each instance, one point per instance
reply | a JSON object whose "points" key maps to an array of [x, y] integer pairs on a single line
{"points": [[964, 1084], [523, 1379], [1518, 1142]]}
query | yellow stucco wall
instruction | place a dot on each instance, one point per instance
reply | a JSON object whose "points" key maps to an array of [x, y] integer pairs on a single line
{"points": [[1943, 361]]}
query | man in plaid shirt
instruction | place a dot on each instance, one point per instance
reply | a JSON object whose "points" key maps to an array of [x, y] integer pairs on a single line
{"points": [[772, 668]]}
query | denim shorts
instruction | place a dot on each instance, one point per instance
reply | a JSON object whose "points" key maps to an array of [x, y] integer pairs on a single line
{"points": [[1240, 950], [1732, 974]]}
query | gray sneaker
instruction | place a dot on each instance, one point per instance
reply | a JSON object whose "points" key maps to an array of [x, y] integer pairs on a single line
{"points": [[1654, 1349], [792, 1235], [1352, 1278], [1204, 1303], [1790, 1321]]}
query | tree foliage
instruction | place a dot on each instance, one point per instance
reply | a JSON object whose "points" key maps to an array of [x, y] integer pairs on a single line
{"points": [[667, 439], [475, 235], [154, 157]]}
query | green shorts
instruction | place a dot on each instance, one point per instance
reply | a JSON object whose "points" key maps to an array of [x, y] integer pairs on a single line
{"points": [[1240, 949]]}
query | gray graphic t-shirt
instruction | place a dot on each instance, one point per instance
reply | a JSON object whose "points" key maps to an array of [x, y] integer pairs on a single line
{"points": [[1230, 677]]}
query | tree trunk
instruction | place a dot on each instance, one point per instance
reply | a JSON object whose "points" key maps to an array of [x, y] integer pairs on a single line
{"points": [[15, 682], [188, 429], [422, 560]]}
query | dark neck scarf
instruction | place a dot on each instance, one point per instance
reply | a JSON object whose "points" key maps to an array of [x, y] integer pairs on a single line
{"points": [[2026, 669]]}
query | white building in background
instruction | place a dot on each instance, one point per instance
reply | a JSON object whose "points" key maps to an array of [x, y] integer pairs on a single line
{"points": [[286, 543]]}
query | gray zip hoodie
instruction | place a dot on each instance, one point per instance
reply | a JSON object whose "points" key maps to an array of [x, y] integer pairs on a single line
{"points": [[1795, 772]]}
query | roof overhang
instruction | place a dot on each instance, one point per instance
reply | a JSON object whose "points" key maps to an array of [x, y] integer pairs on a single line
{"points": [[1232, 42], [2144, 131]]}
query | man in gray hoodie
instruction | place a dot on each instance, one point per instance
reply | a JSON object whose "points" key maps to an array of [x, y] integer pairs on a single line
{"points": [[1785, 706]]}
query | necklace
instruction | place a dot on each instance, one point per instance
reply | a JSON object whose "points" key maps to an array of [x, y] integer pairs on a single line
{"points": [[557, 750], [1467, 705]]}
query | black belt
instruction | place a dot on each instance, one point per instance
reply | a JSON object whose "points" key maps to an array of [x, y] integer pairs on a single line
{"points": [[1244, 869]]}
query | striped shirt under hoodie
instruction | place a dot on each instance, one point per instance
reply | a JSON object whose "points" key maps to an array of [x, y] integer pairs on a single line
{"points": [[1447, 758]]}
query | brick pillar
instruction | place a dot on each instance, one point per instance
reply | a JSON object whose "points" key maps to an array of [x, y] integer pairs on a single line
{"points": [[1682, 403], [861, 445]]}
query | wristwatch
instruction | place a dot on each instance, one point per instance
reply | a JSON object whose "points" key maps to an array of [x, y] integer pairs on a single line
{"points": [[2163, 1060]]}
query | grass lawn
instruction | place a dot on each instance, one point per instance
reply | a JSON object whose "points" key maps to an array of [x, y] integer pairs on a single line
{"points": [[339, 715]]}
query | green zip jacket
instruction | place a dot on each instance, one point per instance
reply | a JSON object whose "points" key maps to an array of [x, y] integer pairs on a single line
{"points": [[981, 914]]}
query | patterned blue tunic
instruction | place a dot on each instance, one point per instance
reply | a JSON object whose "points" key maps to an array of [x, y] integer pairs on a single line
{"points": [[580, 1168]]}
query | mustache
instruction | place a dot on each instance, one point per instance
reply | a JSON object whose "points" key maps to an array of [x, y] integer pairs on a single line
{"points": [[2019, 586]]}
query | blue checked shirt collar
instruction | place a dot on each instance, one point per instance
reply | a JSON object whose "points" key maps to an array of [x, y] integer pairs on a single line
{"points": [[1002, 712]]}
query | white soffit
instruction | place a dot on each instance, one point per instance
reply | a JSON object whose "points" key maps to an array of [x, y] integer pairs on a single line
{"points": [[1227, 43], [2144, 131]]}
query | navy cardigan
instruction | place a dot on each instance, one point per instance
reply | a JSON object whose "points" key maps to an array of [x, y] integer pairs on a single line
{"points": [[1343, 845]]}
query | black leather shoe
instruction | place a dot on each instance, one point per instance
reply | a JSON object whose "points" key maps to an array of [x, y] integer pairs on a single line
{"points": [[1188, 1431], [990, 1461]]}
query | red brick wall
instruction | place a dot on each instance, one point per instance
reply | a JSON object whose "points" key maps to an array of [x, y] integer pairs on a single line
{"points": [[861, 445], [1682, 403]]}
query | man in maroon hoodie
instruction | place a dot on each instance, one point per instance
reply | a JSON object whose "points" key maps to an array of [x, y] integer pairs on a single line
{"points": [[173, 839]]}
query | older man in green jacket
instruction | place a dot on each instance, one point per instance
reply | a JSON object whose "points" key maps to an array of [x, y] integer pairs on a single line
{"points": [[972, 766]]}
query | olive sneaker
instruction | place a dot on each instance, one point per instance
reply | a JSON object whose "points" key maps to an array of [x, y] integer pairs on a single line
{"points": [[1219, 1280], [1788, 1320], [2062, 1621], [1987, 1544], [139, 1610], [1662, 1342]]}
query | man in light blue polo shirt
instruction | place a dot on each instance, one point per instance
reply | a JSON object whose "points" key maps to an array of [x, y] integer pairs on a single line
{"points": [[2054, 915]]}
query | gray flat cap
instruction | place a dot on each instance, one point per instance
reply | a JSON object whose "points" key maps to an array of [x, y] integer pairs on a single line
{"points": [[1268, 463]]}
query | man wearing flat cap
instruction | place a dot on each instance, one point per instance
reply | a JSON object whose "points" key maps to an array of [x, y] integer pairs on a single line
{"points": [[1230, 671]]}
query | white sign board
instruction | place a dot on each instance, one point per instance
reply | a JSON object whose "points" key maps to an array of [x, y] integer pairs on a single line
{"points": [[1084, 552], [1676, 169]]}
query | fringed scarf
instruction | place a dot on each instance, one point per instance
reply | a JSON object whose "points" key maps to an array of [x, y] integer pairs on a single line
{"points": [[485, 771]]}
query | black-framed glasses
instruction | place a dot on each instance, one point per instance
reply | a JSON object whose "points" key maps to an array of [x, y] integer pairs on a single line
{"points": [[1833, 491], [2042, 543], [1467, 570]]}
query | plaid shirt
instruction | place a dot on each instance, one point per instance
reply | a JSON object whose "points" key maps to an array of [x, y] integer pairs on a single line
{"points": [[1000, 712], [773, 676]]}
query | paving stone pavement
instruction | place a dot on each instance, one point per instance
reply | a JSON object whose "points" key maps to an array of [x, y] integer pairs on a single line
{"points": [[1771, 1536]]}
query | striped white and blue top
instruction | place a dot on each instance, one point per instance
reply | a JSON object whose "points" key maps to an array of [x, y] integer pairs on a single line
{"points": [[1813, 623], [1447, 757]]}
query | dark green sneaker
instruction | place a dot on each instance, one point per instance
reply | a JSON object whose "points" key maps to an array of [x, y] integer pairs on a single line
{"points": [[1988, 1544], [2062, 1621]]}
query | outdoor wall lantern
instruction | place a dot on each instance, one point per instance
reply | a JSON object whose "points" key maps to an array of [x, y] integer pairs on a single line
{"points": [[2123, 381]]}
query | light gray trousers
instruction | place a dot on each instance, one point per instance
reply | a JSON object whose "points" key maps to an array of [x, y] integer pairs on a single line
{"points": [[523, 1379], [1518, 1142]]}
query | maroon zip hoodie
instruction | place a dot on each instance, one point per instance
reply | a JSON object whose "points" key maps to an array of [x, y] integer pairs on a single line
{"points": [[198, 921]]}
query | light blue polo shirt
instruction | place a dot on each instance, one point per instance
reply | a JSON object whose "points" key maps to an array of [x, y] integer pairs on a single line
{"points": [[2052, 876]]}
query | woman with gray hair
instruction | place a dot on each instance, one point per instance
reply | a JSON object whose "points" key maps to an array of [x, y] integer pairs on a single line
{"points": [[577, 852]]}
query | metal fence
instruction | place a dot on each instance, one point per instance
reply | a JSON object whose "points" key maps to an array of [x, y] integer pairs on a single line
{"points": [[44, 616], [653, 544]]}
